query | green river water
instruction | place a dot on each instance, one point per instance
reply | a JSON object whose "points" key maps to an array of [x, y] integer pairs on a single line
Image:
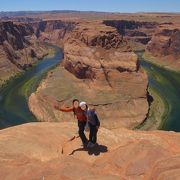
{"points": [[166, 84], [14, 96]]}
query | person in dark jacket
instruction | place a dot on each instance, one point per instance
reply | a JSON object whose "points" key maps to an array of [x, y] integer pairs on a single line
{"points": [[93, 123], [81, 117]]}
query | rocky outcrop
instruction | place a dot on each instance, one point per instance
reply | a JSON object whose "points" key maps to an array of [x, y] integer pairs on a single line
{"points": [[99, 70], [138, 33], [123, 25], [52, 31], [93, 46], [18, 48], [165, 42], [53, 151], [165, 45]]}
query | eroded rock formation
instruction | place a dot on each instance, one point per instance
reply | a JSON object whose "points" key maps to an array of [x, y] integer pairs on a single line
{"points": [[137, 33], [18, 48], [165, 42], [165, 46], [93, 47], [53, 31]]}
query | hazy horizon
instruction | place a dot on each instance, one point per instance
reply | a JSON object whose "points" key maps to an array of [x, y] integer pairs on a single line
{"points": [[71, 10], [114, 6]]}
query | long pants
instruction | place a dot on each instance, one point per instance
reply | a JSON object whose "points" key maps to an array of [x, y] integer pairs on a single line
{"points": [[93, 133], [81, 126]]}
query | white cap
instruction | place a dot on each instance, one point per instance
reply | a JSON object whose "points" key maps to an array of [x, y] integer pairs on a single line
{"points": [[82, 104]]}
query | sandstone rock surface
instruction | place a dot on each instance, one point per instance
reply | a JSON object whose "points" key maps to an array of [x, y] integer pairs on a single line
{"points": [[52, 31], [52, 151], [164, 48], [136, 33]]}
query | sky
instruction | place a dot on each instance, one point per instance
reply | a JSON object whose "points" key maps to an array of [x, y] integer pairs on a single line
{"points": [[93, 5]]}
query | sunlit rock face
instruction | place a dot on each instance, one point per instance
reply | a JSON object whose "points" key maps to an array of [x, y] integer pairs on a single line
{"points": [[18, 48], [166, 42], [137, 33], [53, 31]]}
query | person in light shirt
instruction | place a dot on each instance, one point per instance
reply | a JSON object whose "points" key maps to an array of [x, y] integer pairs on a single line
{"points": [[93, 123]]}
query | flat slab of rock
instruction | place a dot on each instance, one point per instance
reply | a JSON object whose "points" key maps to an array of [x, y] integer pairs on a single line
{"points": [[53, 151]]}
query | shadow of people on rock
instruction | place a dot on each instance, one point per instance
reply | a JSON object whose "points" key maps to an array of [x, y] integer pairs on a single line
{"points": [[97, 150]]}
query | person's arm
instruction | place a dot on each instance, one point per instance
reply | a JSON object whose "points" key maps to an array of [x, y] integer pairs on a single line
{"points": [[64, 109]]}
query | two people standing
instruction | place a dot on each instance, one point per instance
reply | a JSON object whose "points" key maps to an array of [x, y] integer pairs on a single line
{"points": [[86, 116]]}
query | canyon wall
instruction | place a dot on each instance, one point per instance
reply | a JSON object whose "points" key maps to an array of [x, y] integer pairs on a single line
{"points": [[52, 31], [137, 33], [164, 47], [159, 40], [18, 49]]}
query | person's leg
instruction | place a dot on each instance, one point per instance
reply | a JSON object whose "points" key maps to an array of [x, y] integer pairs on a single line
{"points": [[81, 126], [90, 133], [95, 136]]}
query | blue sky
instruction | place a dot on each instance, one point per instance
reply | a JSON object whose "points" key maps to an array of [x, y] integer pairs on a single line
{"points": [[93, 5]]}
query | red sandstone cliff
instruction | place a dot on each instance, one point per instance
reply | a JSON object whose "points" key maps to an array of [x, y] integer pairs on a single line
{"points": [[165, 46], [137, 33], [52, 31], [166, 42], [18, 48]]}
